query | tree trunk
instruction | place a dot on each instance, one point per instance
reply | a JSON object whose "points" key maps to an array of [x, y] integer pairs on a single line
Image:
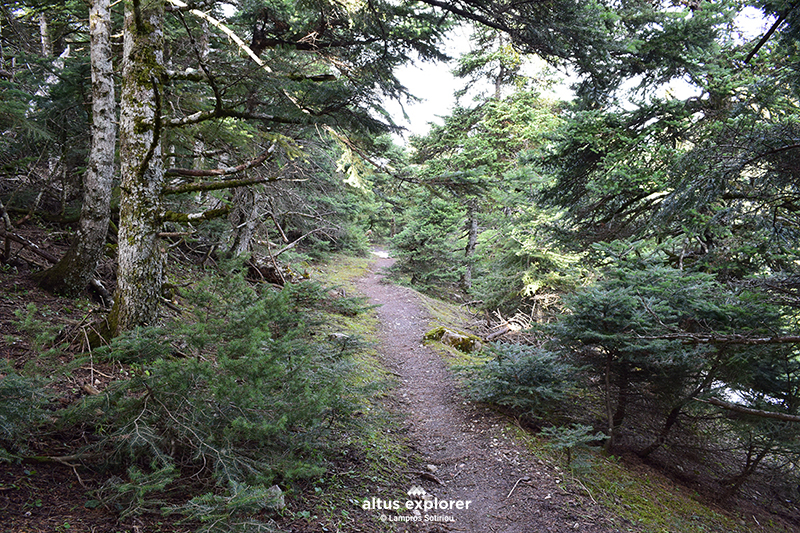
{"points": [[74, 271], [140, 258], [44, 35], [662, 437], [472, 242], [244, 219]]}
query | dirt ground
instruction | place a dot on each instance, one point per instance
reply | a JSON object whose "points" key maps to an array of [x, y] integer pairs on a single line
{"points": [[489, 483], [469, 455], [474, 475]]}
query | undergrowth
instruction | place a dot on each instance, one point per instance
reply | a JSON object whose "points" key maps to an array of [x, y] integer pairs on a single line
{"points": [[22, 411], [375, 458], [250, 390], [531, 382]]}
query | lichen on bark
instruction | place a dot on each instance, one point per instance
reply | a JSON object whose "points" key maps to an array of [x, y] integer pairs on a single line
{"points": [[140, 258], [76, 268]]}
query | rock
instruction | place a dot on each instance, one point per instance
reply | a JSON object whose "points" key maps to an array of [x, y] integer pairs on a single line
{"points": [[276, 498], [461, 341]]}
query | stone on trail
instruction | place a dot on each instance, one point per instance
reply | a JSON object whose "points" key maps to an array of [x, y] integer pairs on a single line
{"points": [[461, 341]]}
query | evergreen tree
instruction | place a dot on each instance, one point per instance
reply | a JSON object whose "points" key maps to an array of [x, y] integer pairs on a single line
{"points": [[322, 60], [77, 266]]}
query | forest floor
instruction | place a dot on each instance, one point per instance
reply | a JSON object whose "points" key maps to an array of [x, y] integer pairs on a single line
{"points": [[492, 475], [468, 450]]}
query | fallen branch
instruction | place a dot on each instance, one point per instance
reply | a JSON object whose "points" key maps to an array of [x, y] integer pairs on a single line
{"points": [[29, 245], [499, 333], [105, 296]]}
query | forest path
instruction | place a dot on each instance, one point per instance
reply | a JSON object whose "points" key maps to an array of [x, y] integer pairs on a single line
{"points": [[468, 448]]}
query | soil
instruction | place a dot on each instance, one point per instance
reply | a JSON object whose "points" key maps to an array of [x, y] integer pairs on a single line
{"points": [[468, 451], [465, 452]]}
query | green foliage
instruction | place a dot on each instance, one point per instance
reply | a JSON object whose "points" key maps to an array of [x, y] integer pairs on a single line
{"points": [[637, 312], [33, 321], [137, 495], [528, 380], [242, 395], [138, 346], [520, 266], [570, 438], [428, 244], [473, 163], [22, 411], [231, 511]]}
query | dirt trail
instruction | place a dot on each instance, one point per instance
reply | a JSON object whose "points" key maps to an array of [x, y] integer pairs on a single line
{"points": [[466, 447]]}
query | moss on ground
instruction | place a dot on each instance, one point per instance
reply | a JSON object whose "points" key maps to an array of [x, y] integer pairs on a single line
{"points": [[643, 497], [384, 457]]}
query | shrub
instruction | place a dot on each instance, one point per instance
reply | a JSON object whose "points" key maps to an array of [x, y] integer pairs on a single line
{"points": [[250, 402], [22, 403], [527, 379], [570, 438]]}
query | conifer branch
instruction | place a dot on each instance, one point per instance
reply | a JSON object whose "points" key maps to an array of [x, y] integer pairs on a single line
{"points": [[199, 173], [219, 185], [785, 417]]}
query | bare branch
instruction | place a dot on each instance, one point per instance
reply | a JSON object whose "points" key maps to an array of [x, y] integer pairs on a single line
{"points": [[294, 243], [224, 29], [699, 338], [219, 185], [171, 216], [200, 173], [769, 33], [752, 412], [30, 245], [218, 112]]}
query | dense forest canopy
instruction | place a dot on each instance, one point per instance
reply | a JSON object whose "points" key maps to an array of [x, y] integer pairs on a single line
{"points": [[646, 235]]}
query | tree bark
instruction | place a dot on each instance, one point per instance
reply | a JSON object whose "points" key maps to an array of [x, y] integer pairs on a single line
{"points": [[76, 268], [140, 258], [244, 220], [472, 242]]}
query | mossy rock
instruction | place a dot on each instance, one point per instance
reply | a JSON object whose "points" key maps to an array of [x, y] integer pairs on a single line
{"points": [[460, 340]]}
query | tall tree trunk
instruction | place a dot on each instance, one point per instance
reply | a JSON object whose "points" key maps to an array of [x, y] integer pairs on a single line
{"points": [[44, 35], [472, 242], [140, 258], [76, 268]]}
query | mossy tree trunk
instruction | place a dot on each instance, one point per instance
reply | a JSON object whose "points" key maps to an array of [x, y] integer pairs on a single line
{"points": [[76, 268], [140, 258]]}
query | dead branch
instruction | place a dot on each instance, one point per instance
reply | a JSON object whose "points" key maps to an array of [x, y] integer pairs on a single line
{"points": [[30, 246], [294, 243], [171, 216], [699, 338], [217, 185], [751, 412], [198, 173]]}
